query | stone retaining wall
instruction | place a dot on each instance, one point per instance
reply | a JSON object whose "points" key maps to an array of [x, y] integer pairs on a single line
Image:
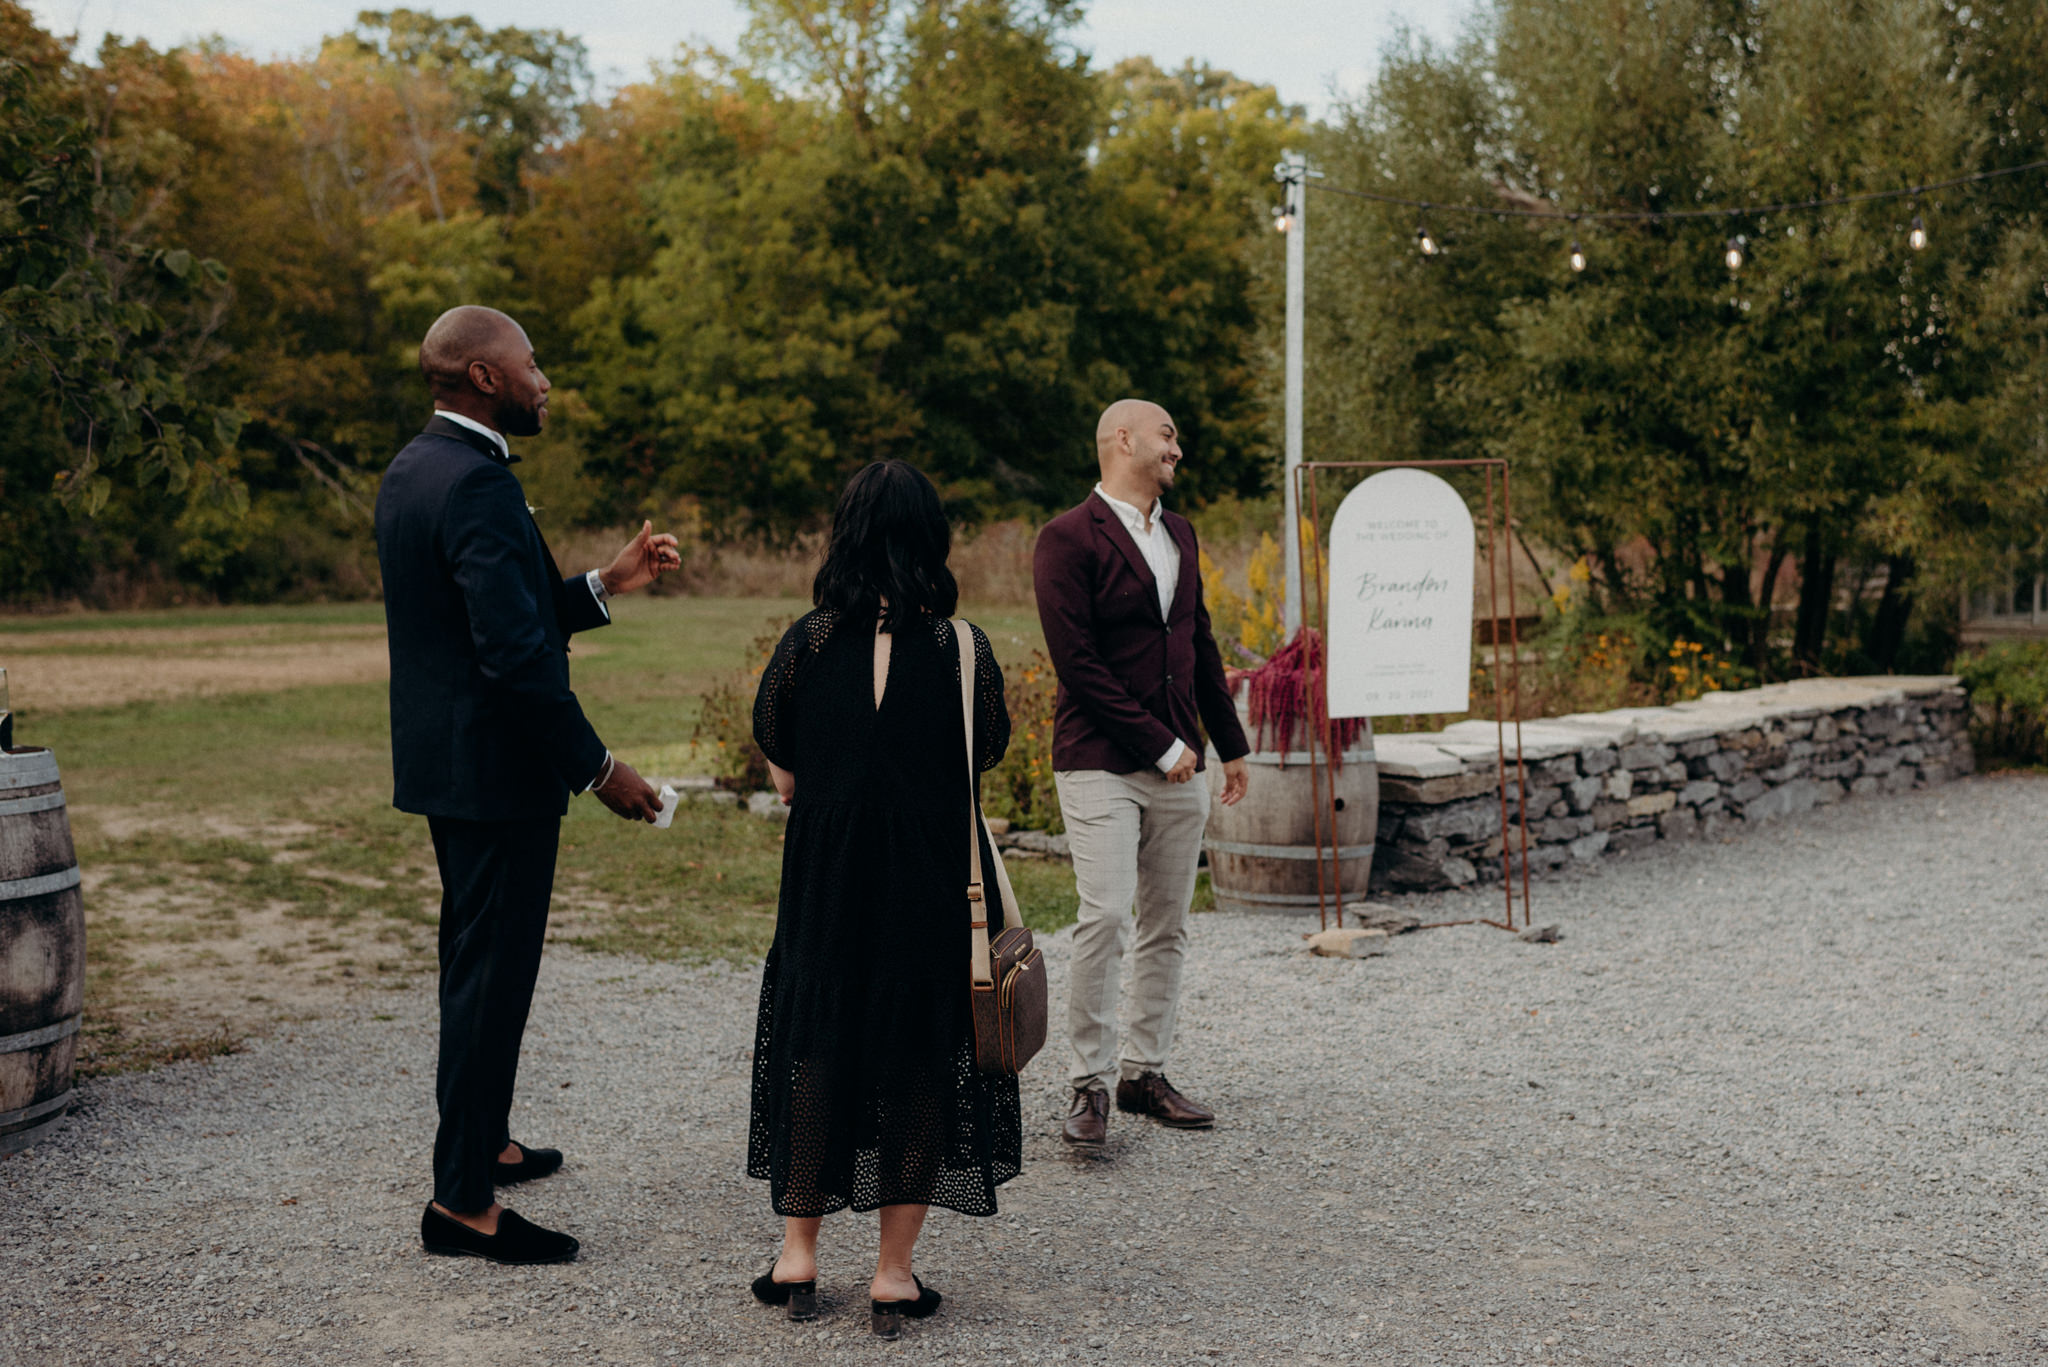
{"points": [[1603, 783]]}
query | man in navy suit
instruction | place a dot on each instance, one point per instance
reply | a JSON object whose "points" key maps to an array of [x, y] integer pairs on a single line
{"points": [[1119, 590], [488, 743]]}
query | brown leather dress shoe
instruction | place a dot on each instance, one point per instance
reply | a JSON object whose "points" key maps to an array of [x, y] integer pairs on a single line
{"points": [[1153, 1095], [1088, 1118]]}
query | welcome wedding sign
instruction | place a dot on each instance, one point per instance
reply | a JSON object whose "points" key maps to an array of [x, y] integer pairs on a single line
{"points": [[1401, 598]]}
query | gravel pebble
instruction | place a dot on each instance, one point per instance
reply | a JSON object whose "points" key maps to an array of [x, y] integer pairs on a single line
{"points": [[1771, 1102]]}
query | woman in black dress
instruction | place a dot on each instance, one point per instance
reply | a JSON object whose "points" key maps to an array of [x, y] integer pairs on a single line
{"points": [[866, 1092]]}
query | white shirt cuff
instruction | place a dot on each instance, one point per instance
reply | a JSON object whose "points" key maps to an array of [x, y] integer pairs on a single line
{"points": [[1172, 757], [597, 591], [604, 771]]}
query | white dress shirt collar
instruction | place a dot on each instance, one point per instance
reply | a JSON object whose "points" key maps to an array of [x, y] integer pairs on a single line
{"points": [[473, 425], [1132, 517]]}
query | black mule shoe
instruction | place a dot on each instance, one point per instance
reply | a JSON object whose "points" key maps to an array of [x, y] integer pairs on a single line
{"points": [[532, 1163], [886, 1317], [518, 1243], [800, 1297]]}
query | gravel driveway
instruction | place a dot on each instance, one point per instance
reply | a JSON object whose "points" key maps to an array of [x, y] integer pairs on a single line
{"points": [[1776, 1102]]}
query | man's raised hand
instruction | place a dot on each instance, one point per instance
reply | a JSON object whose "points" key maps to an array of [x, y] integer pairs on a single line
{"points": [[628, 794], [645, 558]]}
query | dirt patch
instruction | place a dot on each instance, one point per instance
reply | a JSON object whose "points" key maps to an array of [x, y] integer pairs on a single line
{"points": [[57, 671], [174, 976], [176, 640], [203, 932], [45, 680], [1963, 1306]]}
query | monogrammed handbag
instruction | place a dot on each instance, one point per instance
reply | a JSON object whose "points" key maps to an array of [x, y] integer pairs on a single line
{"points": [[1007, 988]]}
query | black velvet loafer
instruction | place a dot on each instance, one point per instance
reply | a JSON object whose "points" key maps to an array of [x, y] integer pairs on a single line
{"points": [[532, 1163], [886, 1317], [517, 1243], [800, 1297]]}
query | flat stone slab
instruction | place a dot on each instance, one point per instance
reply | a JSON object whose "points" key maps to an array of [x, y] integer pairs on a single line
{"points": [[1537, 739], [1666, 725], [1406, 757], [1713, 714], [1477, 755], [1613, 728], [1352, 942]]}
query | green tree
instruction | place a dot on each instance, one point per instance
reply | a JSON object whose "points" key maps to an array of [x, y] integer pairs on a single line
{"points": [[1701, 436], [929, 230], [742, 366], [517, 90], [102, 324], [1185, 159]]}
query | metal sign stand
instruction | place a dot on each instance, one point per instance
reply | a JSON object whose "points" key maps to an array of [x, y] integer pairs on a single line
{"points": [[1507, 684]]}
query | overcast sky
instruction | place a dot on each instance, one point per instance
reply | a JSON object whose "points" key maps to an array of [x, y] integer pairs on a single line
{"points": [[1302, 46]]}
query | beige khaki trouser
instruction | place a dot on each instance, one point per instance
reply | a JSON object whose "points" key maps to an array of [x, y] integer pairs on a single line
{"points": [[1136, 840]]}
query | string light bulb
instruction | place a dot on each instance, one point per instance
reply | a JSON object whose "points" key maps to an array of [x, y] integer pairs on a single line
{"points": [[1283, 221], [1424, 243], [1733, 255], [1917, 238], [1578, 258]]}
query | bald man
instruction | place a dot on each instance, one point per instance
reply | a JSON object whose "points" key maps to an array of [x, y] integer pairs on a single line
{"points": [[1120, 598], [488, 743]]}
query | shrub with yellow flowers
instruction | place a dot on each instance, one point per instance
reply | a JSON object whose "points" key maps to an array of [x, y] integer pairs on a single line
{"points": [[1689, 670], [1249, 626], [1588, 661], [1020, 789]]}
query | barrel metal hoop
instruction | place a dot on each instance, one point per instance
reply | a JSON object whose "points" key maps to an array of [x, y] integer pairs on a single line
{"points": [[1269, 899], [39, 1109], [22, 806], [42, 885], [19, 1141], [41, 1035], [30, 770], [1288, 851], [1290, 758]]}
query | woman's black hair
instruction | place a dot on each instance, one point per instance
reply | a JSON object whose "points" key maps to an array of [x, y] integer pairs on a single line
{"points": [[889, 542]]}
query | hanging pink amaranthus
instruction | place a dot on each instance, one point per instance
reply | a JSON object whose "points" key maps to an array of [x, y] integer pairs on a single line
{"points": [[1280, 703]]}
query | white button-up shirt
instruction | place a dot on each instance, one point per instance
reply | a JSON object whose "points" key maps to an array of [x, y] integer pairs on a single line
{"points": [[1162, 557]]}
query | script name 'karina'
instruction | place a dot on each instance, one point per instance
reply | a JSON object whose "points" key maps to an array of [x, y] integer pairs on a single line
{"points": [[1371, 586], [1379, 619]]}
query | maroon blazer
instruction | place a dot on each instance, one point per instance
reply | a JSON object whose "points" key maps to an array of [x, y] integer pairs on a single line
{"points": [[1131, 682]]}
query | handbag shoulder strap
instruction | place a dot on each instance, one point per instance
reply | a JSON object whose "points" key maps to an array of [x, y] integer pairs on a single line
{"points": [[977, 891]]}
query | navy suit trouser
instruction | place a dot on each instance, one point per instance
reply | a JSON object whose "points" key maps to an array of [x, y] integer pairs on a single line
{"points": [[496, 879]]}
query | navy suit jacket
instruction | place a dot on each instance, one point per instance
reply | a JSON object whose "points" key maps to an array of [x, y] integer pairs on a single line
{"points": [[484, 726], [1132, 681]]}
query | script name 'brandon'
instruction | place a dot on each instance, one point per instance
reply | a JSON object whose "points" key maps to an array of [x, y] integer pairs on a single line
{"points": [[1371, 586]]}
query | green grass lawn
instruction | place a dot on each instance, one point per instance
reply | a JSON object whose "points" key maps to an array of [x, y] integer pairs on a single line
{"points": [[282, 800]]}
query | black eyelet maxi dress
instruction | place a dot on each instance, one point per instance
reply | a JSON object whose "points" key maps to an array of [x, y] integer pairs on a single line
{"points": [[865, 1088]]}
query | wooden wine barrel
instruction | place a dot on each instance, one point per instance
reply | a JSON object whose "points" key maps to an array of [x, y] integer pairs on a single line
{"points": [[1262, 852], [42, 949]]}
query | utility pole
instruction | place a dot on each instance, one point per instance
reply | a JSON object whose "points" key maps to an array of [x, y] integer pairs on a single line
{"points": [[1293, 173]]}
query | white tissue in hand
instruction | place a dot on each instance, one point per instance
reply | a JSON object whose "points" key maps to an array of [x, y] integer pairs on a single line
{"points": [[669, 798]]}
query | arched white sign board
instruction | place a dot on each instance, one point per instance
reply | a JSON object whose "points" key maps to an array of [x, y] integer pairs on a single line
{"points": [[1401, 598]]}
